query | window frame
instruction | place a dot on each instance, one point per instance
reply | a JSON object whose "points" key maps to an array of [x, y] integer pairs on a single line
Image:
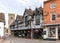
{"points": [[53, 5], [51, 17], [50, 30], [36, 19]]}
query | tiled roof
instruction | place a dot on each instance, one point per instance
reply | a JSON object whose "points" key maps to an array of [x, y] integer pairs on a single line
{"points": [[19, 17], [2, 17], [40, 9], [47, 1], [29, 11]]}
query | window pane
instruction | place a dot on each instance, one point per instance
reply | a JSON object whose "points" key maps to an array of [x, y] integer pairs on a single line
{"points": [[53, 5], [52, 32], [37, 19], [53, 17], [44, 32]]}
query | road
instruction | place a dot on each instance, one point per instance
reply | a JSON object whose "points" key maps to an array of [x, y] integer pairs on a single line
{"points": [[22, 40]]}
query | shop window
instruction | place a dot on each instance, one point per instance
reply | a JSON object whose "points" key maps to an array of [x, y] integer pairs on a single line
{"points": [[52, 32], [44, 32]]}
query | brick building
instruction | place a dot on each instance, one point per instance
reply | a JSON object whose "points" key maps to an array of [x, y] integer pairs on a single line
{"points": [[51, 19]]}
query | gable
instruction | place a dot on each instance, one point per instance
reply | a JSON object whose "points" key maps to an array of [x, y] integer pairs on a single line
{"points": [[19, 17]]}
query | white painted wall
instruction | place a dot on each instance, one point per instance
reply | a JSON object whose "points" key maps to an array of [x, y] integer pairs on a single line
{"points": [[47, 32], [46, 35], [33, 23], [1, 29], [56, 32]]}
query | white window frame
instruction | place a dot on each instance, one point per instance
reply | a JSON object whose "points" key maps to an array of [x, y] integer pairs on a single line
{"points": [[53, 5], [51, 17]]}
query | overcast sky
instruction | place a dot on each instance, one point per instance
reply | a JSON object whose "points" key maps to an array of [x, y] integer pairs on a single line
{"points": [[18, 6]]}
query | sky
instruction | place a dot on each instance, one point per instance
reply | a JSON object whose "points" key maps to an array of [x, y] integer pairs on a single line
{"points": [[18, 6]]}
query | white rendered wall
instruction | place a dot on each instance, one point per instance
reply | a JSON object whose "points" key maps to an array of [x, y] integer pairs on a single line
{"points": [[47, 32], [46, 35], [1, 29], [56, 32]]}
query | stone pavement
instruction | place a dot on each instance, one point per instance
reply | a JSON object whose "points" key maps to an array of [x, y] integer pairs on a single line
{"points": [[5, 41], [22, 40]]}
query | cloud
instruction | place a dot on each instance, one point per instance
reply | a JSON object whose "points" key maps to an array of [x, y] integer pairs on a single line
{"points": [[3, 8], [17, 6], [30, 2]]}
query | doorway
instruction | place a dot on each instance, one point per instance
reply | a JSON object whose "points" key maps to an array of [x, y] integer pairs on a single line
{"points": [[38, 33]]}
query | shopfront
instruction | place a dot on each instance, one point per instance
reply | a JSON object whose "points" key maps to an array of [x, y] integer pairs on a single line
{"points": [[50, 32], [37, 33]]}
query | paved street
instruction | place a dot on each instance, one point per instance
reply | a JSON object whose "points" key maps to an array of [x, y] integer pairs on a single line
{"points": [[22, 40]]}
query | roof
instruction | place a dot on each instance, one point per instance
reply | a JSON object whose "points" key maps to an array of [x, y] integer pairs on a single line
{"points": [[29, 11], [47, 1], [2, 17], [40, 9], [19, 17]]}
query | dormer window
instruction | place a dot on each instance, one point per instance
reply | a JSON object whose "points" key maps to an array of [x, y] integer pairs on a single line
{"points": [[53, 5]]}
